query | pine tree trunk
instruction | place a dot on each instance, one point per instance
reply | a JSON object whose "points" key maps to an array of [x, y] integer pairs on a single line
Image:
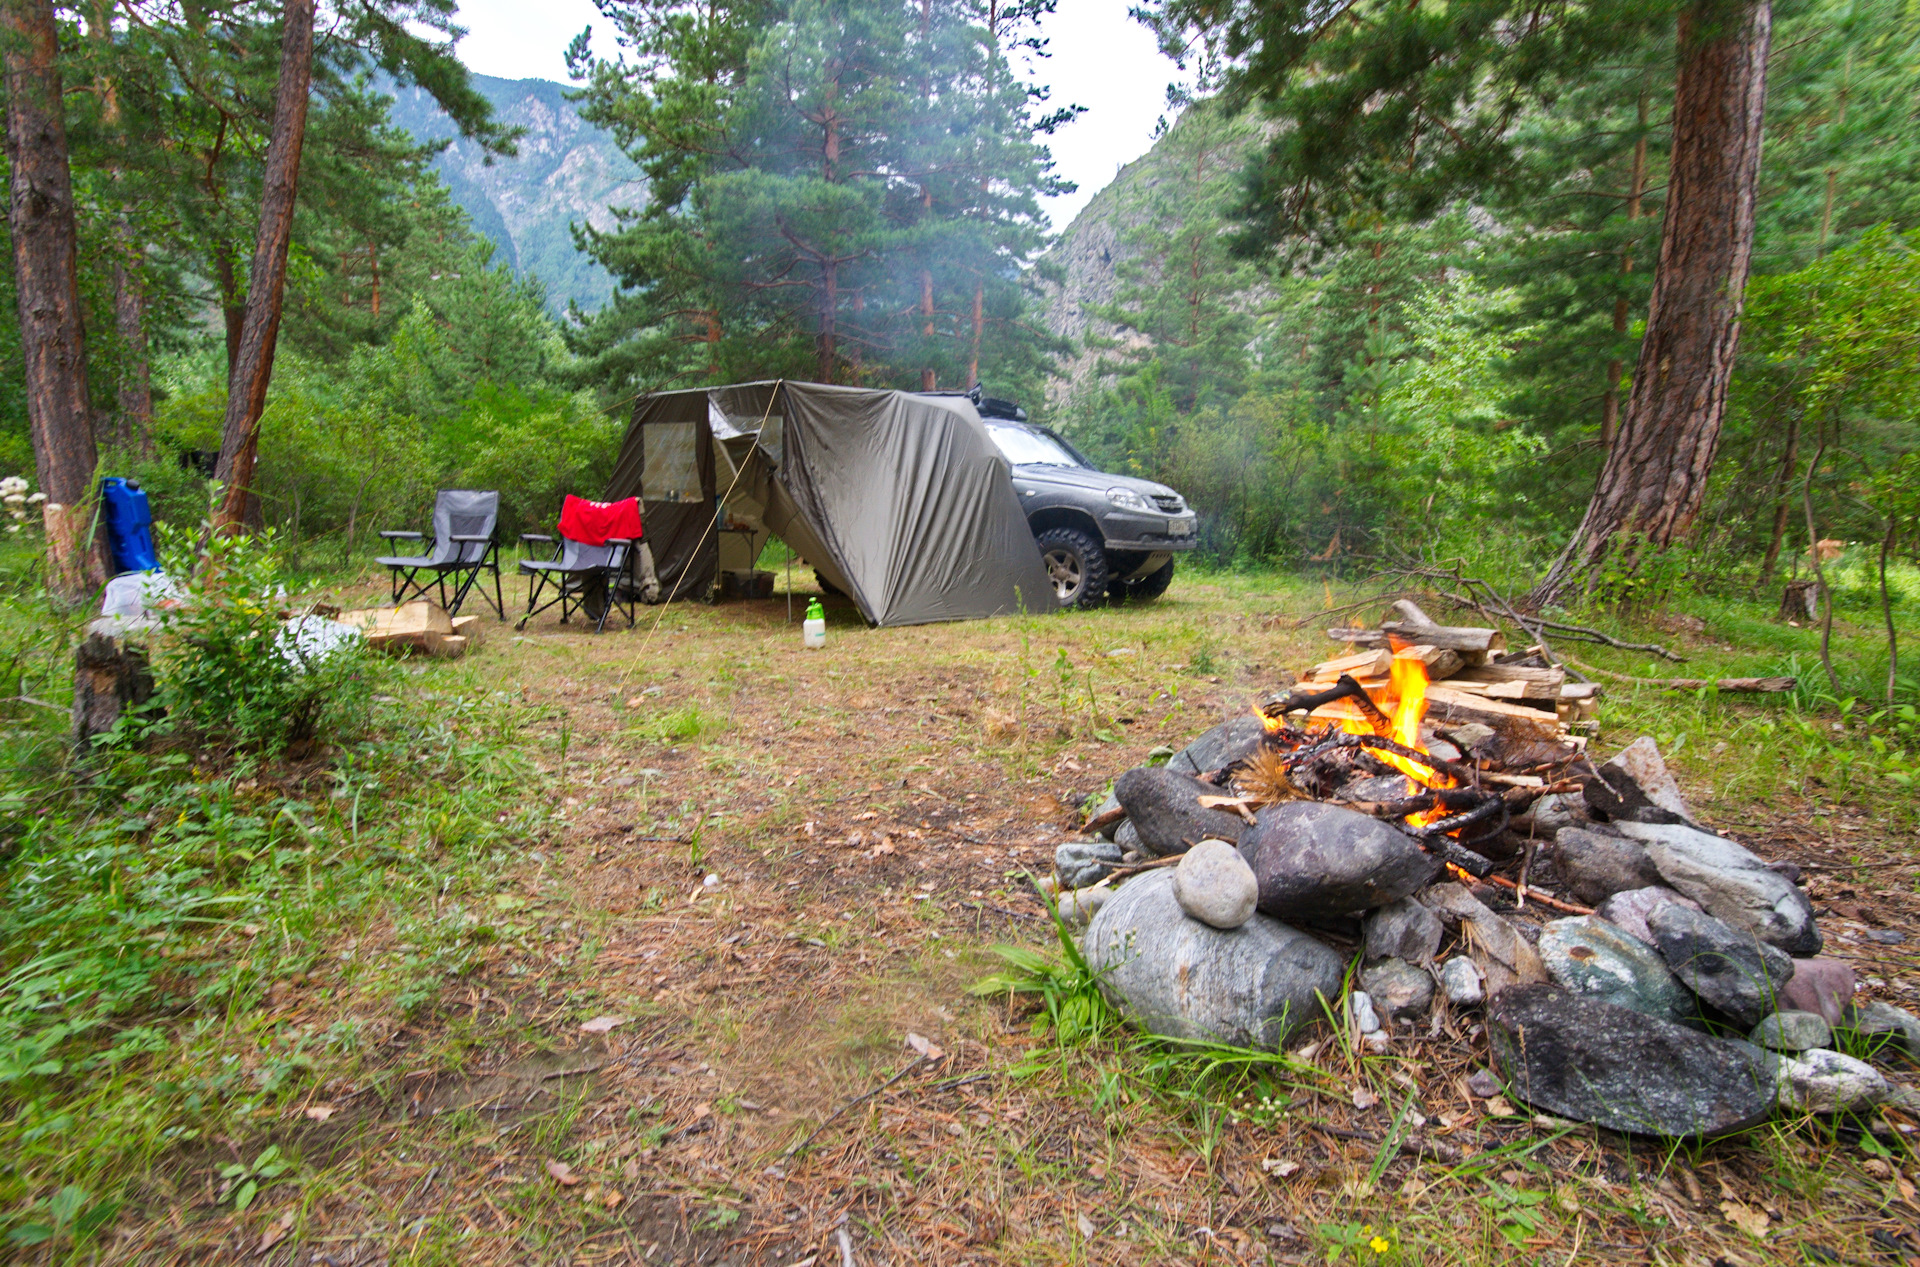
{"points": [[130, 316], [266, 285], [1656, 472], [46, 275]]}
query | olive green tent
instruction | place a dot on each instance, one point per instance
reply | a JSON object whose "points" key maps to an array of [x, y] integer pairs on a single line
{"points": [[899, 500]]}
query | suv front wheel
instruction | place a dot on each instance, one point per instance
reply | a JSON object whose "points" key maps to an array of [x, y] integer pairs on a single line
{"points": [[1076, 565]]}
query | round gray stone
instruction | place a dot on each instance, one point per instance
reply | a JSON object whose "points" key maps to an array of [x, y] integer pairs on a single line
{"points": [[1214, 884], [1596, 865], [1629, 910], [1821, 1081], [1460, 977], [1251, 986], [1404, 930], [1079, 863]]}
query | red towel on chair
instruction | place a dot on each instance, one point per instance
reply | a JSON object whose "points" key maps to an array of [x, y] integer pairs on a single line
{"points": [[596, 523]]}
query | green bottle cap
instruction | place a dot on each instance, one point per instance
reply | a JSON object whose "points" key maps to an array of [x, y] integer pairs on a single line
{"points": [[815, 611]]}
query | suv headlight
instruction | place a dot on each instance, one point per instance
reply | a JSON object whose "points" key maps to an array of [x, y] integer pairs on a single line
{"points": [[1130, 500]]}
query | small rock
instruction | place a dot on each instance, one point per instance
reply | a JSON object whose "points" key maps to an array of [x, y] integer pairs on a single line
{"points": [[1079, 906], [1731, 883], [1886, 936], [1231, 740], [1164, 808], [1404, 930], [1821, 1081], [1316, 860], [1214, 884], [1640, 761], [1504, 957], [1460, 977], [1877, 1020], [1579, 1058], [1082, 862], [1791, 1031], [1483, 1084], [1128, 839], [1594, 865], [1729, 969], [1398, 989], [1552, 814], [1250, 987], [1628, 911], [1360, 1013], [1820, 985], [1593, 958], [1377, 1043], [1788, 870]]}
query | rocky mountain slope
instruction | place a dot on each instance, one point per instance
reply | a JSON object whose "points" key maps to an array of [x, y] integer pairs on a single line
{"points": [[566, 171]]}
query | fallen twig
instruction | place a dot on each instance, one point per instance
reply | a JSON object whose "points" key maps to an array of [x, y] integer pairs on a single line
{"points": [[1739, 685], [569, 1073], [1571, 908], [857, 1101], [1100, 822], [1415, 1145]]}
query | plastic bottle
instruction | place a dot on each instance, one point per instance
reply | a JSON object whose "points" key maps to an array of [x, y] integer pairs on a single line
{"points": [[813, 632]]}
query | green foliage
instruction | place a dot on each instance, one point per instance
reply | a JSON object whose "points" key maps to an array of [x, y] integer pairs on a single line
{"points": [[837, 187], [230, 672], [1072, 1008]]}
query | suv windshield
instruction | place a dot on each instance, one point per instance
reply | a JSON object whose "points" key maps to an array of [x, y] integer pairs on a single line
{"points": [[1027, 448]]}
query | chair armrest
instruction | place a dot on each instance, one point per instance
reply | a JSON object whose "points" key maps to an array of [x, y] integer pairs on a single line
{"points": [[621, 541], [402, 536], [536, 536], [472, 540]]}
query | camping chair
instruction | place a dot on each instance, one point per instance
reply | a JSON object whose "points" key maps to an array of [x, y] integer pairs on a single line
{"points": [[463, 548], [591, 580]]}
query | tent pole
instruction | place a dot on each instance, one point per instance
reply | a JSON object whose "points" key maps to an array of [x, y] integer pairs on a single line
{"points": [[789, 583]]}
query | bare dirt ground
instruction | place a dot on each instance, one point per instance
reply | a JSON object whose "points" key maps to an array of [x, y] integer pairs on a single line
{"points": [[771, 866]]}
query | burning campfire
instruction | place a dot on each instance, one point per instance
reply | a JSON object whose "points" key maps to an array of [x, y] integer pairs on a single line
{"points": [[1424, 802]]}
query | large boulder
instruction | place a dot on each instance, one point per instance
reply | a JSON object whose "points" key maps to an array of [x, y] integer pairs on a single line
{"points": [[1232, 739], [1731, 883], [1580, 1058], [1596, 865], [1593, 958], [1641, 763], [1164, 808], [1731, 970], [1214, 885], [1315, 860], [1251, 986]]}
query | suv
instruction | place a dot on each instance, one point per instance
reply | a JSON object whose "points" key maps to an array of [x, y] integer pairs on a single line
{"points": [[1100, 535]]}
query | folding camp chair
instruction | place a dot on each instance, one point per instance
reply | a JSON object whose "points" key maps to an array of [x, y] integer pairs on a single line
{"points": [[589, 580], [463, 548]]}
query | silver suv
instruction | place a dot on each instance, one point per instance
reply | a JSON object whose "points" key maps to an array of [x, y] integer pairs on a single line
{"points": [[1100, 535]]}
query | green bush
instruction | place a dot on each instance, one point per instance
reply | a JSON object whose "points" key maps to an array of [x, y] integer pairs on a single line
{"points": [[229, 670]]}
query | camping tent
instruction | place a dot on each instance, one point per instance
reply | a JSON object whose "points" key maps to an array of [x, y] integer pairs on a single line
{"points": [[901, 501]]}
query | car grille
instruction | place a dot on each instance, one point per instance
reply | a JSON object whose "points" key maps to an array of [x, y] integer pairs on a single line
{"points": [[1170, 503]]}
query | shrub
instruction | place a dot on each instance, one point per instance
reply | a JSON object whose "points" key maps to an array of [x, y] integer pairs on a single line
{"points": [[229, 671]]}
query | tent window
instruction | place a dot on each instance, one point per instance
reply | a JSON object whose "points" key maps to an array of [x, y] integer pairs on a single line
{"points": [[671, 471]]}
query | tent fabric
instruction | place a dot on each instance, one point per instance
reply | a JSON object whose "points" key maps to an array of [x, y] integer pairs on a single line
{"points": [[667, 462], [901, 501]]}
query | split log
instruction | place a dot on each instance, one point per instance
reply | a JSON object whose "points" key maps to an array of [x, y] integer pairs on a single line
{"points": [[1411, 613], [1445, 704], [1366, 664], [1472, 644], [1500, 682], [1359, 637], [416, 626], [1440, 662], [1514, 673]]}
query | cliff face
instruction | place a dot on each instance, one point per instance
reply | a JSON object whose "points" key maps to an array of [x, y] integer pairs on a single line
{"points": [[1150, 198], [566, 171]]}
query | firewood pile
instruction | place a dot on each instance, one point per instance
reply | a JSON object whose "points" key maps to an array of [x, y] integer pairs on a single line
{"points": [[1422, 803]]}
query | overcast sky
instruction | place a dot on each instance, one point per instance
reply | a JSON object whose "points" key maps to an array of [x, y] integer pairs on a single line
{"points": [[1102, 60]]}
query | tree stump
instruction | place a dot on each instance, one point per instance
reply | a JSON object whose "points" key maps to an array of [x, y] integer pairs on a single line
{"points": [[1800, 601], [109, 676]]}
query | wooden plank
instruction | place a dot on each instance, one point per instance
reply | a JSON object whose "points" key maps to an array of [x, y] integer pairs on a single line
{"points": [[1365, 664]]}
